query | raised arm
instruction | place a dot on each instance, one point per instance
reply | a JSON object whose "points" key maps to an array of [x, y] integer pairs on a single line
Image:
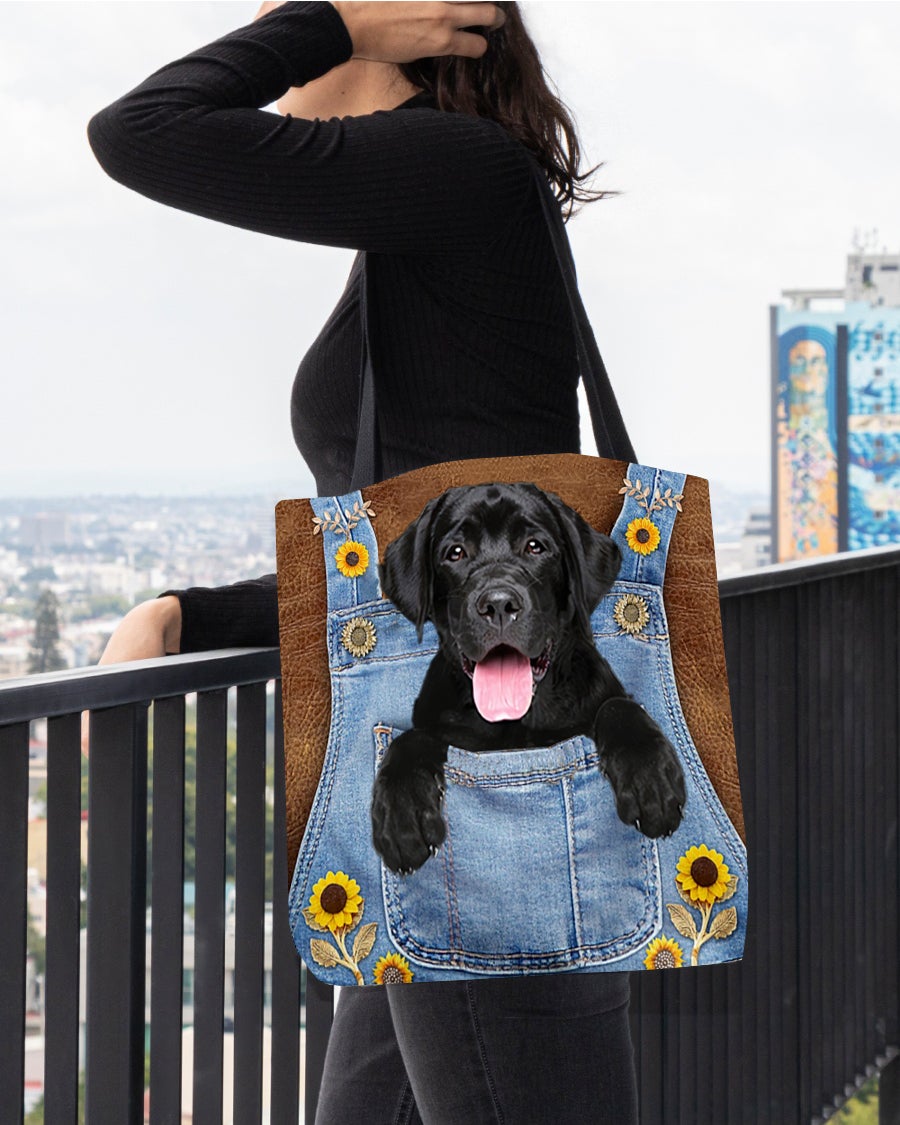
{"points": [[420, 180]]}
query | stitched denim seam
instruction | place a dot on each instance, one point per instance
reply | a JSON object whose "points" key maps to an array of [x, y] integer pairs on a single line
{"points": [[547, 776], [338, 666], [405, 1106], [567, 797], [316, 822], [459, 957], [454, 927], [563, 958], [482, 1050], [692, 760]]}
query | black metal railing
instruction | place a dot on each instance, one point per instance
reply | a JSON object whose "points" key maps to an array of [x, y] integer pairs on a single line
{"points": [[786, 1034], [116, 1013], [782, 1037]]}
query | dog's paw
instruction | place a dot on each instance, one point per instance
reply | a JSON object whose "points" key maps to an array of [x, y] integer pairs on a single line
{"points": [[407, 823], [642, 768]]}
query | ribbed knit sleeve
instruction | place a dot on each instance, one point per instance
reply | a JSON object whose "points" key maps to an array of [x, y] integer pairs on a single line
{"points": [[242, 615], [193, 136]]}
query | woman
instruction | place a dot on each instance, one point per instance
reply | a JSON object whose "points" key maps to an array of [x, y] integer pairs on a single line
{"points": [[409, 138]]}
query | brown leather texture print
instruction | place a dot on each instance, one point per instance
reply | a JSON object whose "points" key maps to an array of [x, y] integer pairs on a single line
{"points": [[590, 485]]}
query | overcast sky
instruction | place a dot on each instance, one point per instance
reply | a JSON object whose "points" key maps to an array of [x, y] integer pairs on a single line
{"points": [[145, 349]]}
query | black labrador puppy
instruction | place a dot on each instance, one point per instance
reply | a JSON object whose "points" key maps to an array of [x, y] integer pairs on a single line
{"points": [[510, 575]]}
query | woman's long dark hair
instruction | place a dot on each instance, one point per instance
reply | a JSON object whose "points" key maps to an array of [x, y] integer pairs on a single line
{"points": [[508, 84]]}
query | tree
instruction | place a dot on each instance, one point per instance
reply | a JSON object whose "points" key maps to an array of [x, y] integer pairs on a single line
{"points": [[45, 655]]}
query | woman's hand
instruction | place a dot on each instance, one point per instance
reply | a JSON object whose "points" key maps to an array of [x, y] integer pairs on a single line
{"points": [[151, 629], [401, 32]]}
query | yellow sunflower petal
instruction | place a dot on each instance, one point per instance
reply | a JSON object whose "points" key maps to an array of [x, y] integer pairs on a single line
{"points": [[392, 968], [664, 953], [642, 535], [352, 558]]}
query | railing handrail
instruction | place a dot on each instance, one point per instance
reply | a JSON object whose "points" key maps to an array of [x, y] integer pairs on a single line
{"points": [[48, 694], [109, 685], [782, 575]]}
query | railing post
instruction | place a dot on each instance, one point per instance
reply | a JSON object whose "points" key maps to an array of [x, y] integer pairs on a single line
{"points": [[167, 965], [63, 970], [285, 960], [14, 853], [889, 1093], [116, 937], [209, 923], [249, 896]]}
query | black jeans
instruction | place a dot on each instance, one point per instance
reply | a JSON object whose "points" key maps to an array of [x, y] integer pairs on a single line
{"points": [[520, 1051]]}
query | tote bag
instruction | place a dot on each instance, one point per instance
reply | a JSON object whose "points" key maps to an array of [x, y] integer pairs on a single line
{"points": [[430, 848]]}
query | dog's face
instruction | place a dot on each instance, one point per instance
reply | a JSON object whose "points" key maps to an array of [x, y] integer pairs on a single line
{"points": [[504, 571]]}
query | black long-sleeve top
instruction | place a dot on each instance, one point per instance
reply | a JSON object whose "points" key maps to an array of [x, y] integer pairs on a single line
{"points": [[469, 324]]}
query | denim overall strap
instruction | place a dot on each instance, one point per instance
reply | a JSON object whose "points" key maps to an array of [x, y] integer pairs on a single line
{"points": [[651, 499], [342, 519]]}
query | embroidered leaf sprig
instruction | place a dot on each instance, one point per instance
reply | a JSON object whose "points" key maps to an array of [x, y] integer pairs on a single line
{"points": [[359, 512], [324, 954], [641, 493], [352, 516], [364, 942], [682, 920], [327, 522]]}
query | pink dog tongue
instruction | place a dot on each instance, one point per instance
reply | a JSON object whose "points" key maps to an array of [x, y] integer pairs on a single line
{"points": [[502, 684]]}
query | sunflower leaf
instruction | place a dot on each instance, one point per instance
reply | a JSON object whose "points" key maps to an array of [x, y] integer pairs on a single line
{"points": [[310, 915], [730, 887], [682, 920], [324, 954], [724, 923], [364, 942]]}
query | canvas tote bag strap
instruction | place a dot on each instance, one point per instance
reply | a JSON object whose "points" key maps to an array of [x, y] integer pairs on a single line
{"points": [[609, 428]]}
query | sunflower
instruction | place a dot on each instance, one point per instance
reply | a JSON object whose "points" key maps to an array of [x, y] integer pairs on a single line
{"points": [[392, 969], [631, 613], [642, 535], [352, 558], [664, 953], [358, 636], [335, 901], [702, 875]]}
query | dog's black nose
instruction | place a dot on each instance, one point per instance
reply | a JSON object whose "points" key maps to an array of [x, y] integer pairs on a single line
{"points": [[499, 606]]}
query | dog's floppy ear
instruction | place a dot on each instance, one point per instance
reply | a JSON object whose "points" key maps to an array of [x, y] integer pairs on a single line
{"points": [[592, 559], [407, 572]]}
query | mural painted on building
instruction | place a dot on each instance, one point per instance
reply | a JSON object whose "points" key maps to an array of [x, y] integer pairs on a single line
{"points": [[873, 425], [806, 488]]}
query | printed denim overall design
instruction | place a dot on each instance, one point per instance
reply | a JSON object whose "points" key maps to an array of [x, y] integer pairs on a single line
{"points": [[537, 872]]}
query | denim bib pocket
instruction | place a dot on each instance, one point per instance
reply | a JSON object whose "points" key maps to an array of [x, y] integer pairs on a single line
{"points": [[537, 871]]}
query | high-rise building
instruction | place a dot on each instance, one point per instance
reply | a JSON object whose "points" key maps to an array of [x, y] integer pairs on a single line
{"points": [[836, 413]]}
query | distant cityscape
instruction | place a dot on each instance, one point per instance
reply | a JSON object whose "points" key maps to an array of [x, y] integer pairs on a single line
{"points": [[100, 555]]}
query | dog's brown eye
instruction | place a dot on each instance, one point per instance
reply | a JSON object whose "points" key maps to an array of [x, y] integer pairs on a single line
{"points": [[534, 546], [455, 553]]}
